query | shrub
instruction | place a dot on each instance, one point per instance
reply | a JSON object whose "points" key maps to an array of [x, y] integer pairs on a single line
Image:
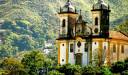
{"points": [[89, 70], [69, 69], [126, 64], [94, 70], [126, 61], [124, 72], [105, 71], [118, 67], [18, 72], [55, 72]]}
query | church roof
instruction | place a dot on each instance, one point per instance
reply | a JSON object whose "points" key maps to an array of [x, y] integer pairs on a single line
{"points": [[68, 7], [100, 5], [118, 35]]}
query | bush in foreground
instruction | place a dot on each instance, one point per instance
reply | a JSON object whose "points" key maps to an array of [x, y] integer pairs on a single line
{"points": [[93, 70], [55, 72], [124, 72], [69, 69], [118, 67]]}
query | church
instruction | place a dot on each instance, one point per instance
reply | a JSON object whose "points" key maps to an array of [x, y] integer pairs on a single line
{"points": [[82, 44]]}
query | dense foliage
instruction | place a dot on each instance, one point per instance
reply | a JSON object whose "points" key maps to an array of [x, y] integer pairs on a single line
{"points": [[34, 61], [123, 27], [55, 72], [11, 66], [29, 65], [69, 69], [78, 70], [120, 67], [37, 63]]}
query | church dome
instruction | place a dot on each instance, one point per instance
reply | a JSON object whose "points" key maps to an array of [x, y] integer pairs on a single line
{"points": [[100, 5], [68, 7]]}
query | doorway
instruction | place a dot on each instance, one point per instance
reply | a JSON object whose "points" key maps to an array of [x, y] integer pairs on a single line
{"points": [[79, 59]]}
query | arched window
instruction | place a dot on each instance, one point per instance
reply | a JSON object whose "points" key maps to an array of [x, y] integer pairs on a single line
{"points": [[96, 21], [71, 48], [114, 48], [63, 23], [86, 47], [122, 49]]}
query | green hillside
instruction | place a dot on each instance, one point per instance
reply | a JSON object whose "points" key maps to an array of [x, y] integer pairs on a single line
{"points": [[30, 22]]}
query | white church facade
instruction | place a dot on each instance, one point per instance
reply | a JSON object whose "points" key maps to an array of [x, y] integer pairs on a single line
{"points": [[81, 44]]}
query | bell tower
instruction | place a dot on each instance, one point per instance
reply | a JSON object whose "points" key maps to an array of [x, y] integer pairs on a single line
{"points": [[67, 16], [100, 16], [67, 19]]}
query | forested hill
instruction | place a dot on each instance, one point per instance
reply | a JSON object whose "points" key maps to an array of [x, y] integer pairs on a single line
{"points": [[30, 22]]}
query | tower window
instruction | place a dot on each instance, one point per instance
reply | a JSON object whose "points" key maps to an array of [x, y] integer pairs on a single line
{"points": [[71, 47], [96, 21], [122, 49], [63, 23], [114, 48]]}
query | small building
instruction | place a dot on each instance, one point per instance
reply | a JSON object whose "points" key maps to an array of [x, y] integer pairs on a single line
{"points": [[48, 46], [2, 32], [81, 44]]}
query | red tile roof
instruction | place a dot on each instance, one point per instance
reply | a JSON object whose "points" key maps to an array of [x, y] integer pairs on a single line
{"points": [[118, 35]]}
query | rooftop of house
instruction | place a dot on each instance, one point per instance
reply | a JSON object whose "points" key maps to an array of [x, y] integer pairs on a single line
{"points": [[118, 35]]}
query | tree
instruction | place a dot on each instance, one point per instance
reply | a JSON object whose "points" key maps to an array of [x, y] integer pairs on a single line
{"points": [[11, 65], [34, 61], [123, 27], [53, 55], [18, 72]]}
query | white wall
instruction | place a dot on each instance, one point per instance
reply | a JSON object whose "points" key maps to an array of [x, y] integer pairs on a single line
{"points": [[85, 59], [71, 55], [121, 55], [95, 46], [114, 54], [79, 50], [104, 55], [126, 51], [62, 53]]}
